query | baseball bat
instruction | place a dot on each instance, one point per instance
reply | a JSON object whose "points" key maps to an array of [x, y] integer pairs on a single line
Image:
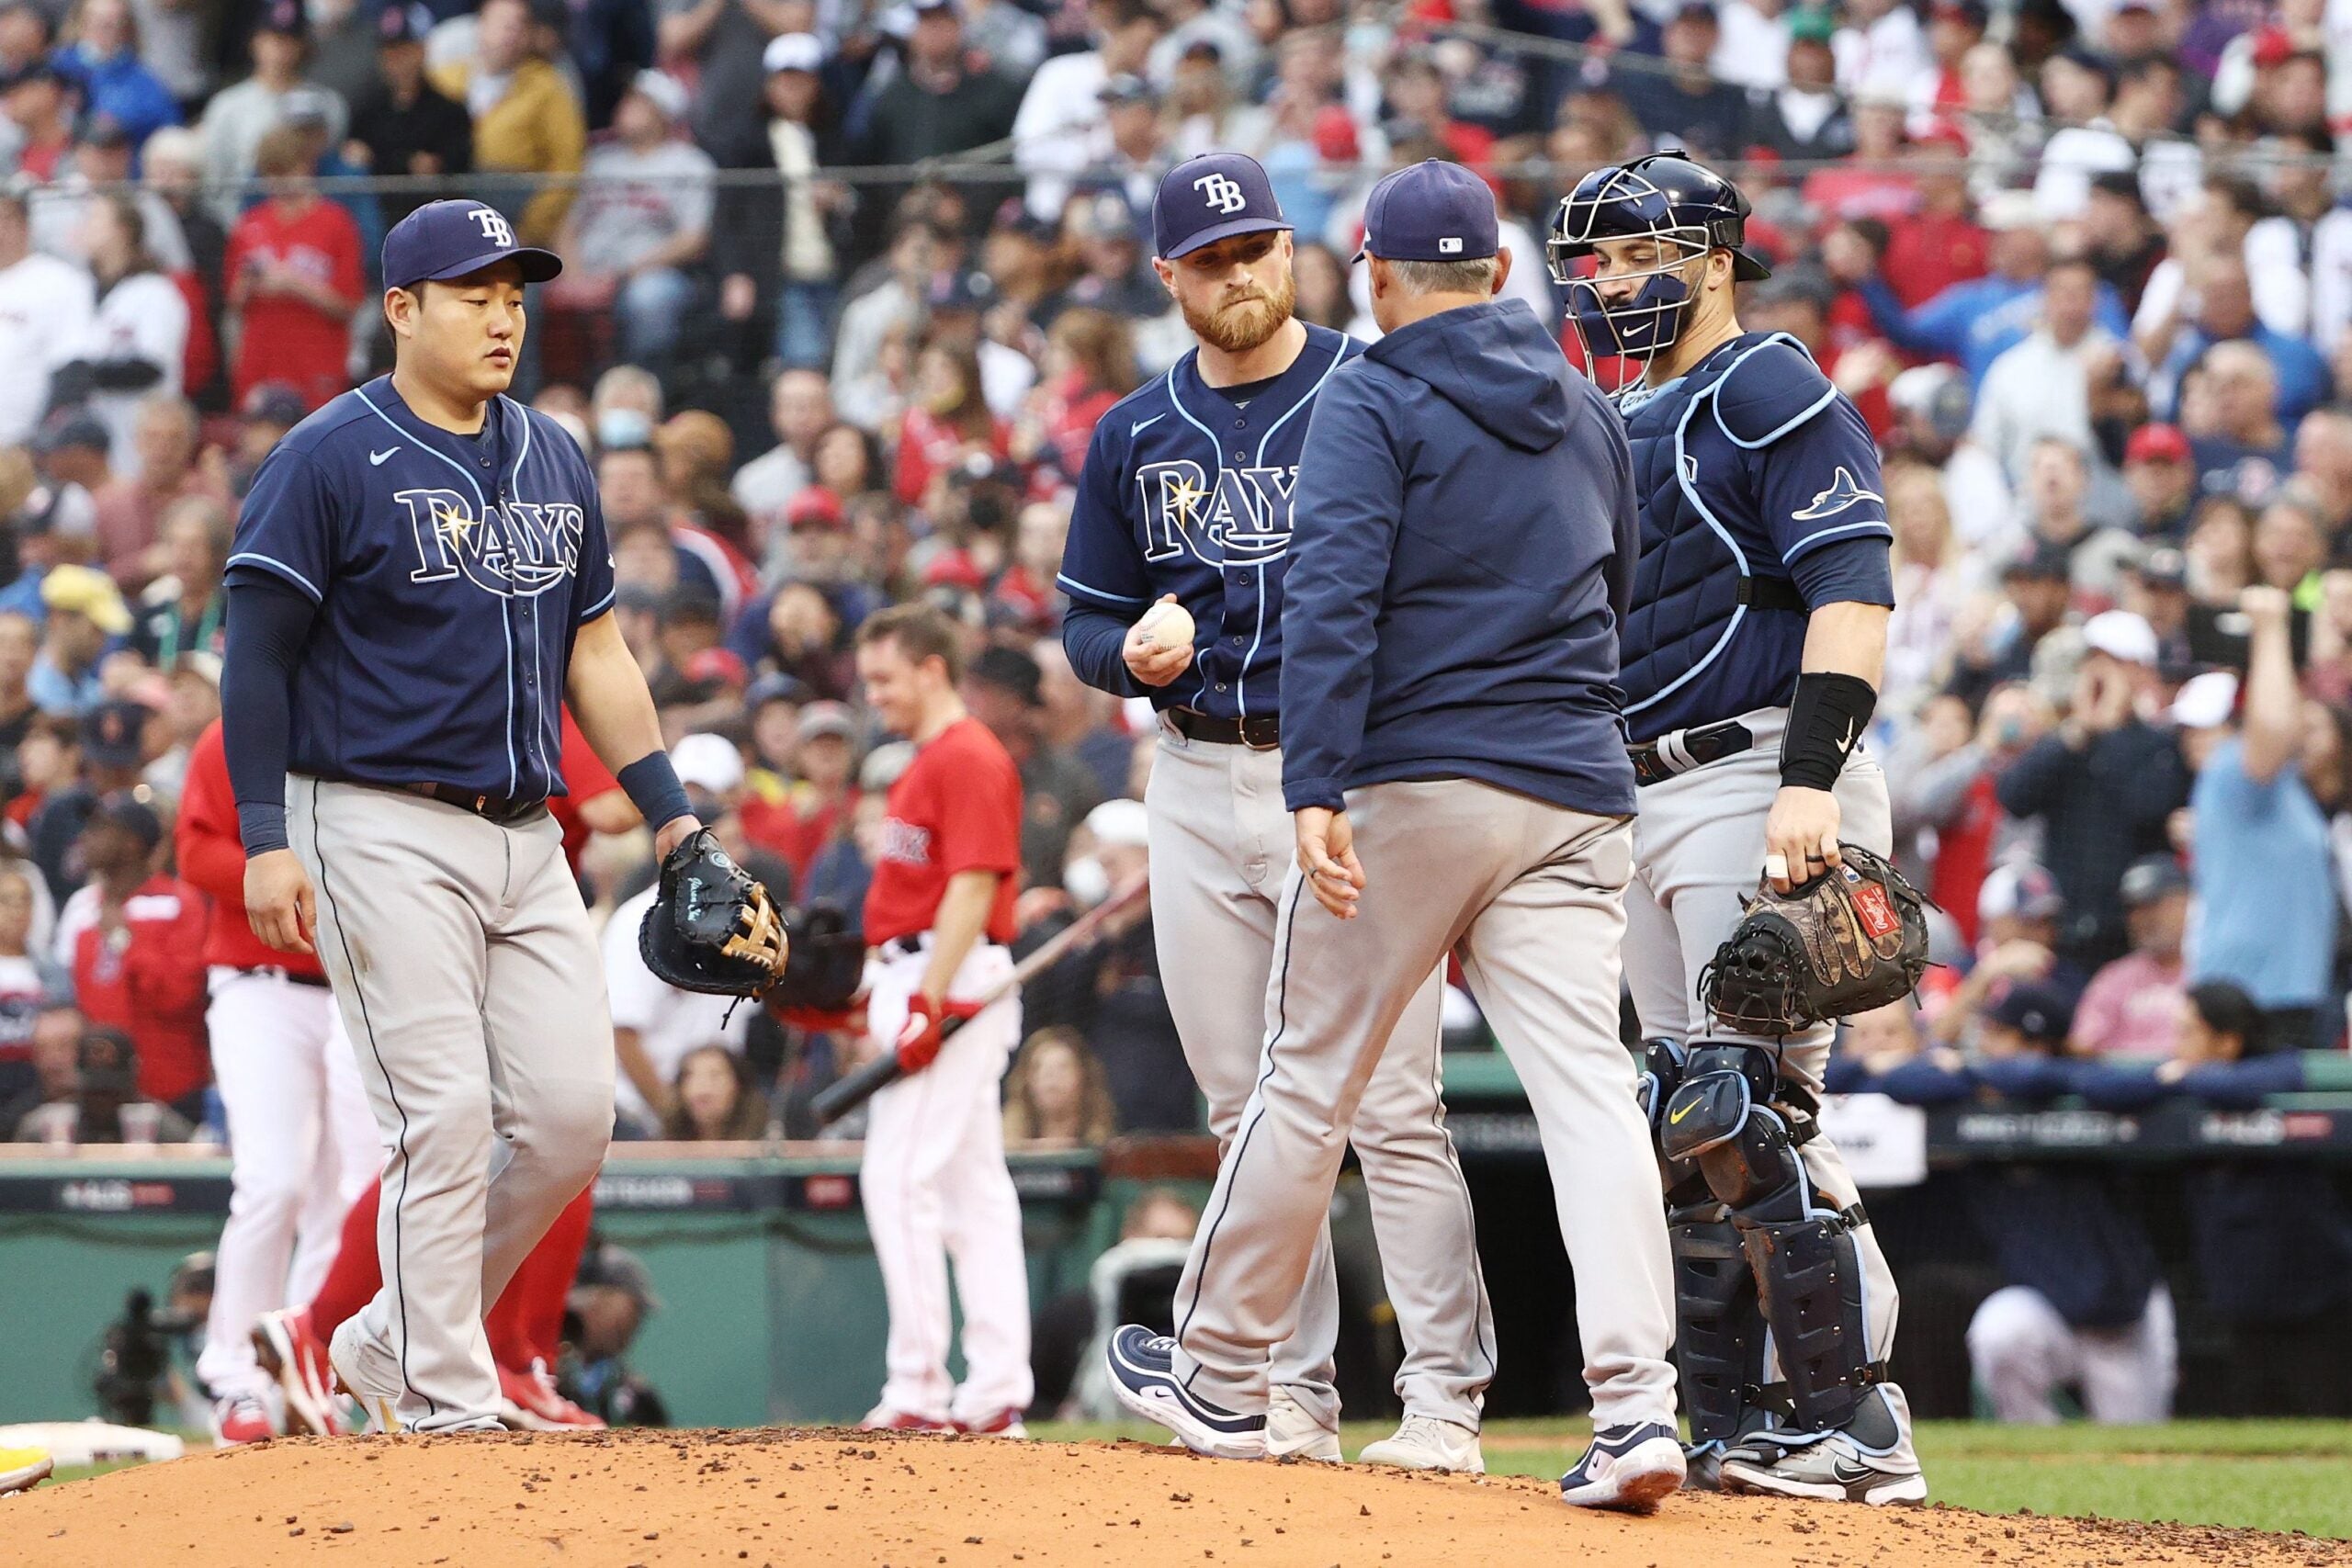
{"points": [[848, 1092]]}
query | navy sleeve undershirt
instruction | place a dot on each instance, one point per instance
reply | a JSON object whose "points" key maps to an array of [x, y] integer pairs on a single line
{"points": [[269, 620]]}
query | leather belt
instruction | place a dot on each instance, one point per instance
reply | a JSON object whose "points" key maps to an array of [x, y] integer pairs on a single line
{"points": [[501, 809], [1657, 761], [1262, 734]]}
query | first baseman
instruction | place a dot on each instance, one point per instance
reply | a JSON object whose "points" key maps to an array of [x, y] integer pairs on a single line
{"points": [[1751, 656], [1180, 547], [419, 579], [1457, 777]]}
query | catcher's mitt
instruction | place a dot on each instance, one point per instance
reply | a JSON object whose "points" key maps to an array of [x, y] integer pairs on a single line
{"points": [[711, 928], [827, 959], [1852, 939]]}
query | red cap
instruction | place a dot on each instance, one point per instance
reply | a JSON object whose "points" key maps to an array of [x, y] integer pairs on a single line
{"points": [[1335, 135], [720, 664], [2156, 444], [2272, 46], [815, 506], [953, 569]]}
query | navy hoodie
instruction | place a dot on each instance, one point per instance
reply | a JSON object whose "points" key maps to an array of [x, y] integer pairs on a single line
{"points": [[1462, 543]]}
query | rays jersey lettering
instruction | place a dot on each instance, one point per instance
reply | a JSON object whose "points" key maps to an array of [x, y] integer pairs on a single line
{"points": [[518, 549], [1187, 491], [451, 575]]}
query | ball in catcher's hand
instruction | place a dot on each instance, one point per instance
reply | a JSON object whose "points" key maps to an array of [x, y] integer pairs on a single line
{"points": [[1168, 626]]}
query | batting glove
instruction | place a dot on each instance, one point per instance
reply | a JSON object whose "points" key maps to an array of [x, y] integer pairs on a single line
{"points": [[919, 1037]]}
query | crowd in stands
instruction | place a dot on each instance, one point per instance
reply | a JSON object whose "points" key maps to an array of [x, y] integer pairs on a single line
{"points": [[849, 285]]}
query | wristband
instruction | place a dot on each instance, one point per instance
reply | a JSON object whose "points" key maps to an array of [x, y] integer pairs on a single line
{"points": [[653, 789], [261, 828], [1826, 716]]}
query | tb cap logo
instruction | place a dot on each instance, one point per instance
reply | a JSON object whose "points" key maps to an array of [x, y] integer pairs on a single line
{"points": [[494, 227], [1221, 193]]}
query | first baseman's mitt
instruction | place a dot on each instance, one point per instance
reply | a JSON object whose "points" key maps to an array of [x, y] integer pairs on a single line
{"points": [[1852, 939], [827, 961], [711, 928]]}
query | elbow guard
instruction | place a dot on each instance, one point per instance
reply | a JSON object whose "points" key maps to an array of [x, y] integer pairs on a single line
{"points": [[1827, 717]]}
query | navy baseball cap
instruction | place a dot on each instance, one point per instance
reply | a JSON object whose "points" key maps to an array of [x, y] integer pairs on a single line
{"points": [[1431, 211], [1212, 197], [443, 239]]}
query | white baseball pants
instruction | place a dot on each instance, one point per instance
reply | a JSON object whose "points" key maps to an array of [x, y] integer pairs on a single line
{"points": [[2022, 1352]]}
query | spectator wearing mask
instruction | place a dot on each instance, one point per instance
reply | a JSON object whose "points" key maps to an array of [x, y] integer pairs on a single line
{"points": [[714, 1099], [45, 309], [405, 126], [134, 938], [2133, 1005], [137, 339], [108, 1105], [643, 218], [2104, 785], [938, 102], [527, 122], [2082, 1304], [131, 510], [2264, 922], [238, 116], [85, 615]]}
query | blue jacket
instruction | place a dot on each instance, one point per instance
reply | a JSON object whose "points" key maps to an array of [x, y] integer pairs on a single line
{"points": [[1976, 319], [121, 87], [1463, 538]]}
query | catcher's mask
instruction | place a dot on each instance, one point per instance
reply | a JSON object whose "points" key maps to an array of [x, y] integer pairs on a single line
{"points": [[1687, 210]]}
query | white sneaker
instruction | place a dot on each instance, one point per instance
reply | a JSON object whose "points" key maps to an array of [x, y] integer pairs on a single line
{"points": [[1424, 1442], [1869, 1460], [1292, 1431], [347, 1353]]}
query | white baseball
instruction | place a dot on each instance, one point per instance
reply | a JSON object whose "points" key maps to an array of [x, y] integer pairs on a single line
{"points": [[1169, 626]]}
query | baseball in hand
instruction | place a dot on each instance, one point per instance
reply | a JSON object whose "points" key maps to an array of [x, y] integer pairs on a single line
{"points": [[1169, 627]]}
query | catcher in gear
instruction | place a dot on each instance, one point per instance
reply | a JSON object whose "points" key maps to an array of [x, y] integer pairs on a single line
{"points": [[711, 928], [1750, 660]]}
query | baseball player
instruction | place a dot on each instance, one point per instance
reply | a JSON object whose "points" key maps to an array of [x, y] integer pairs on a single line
{"points": [[1751, 660], [939, 919], [302, 1139], [1185, 506], [1456, 775], [419, 579]]}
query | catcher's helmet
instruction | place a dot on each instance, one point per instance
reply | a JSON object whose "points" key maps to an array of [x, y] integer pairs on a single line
{"points": [[1664, 197]]}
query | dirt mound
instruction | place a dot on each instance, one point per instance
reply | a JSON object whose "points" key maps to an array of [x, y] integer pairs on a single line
{"points": [[807, 1497]]}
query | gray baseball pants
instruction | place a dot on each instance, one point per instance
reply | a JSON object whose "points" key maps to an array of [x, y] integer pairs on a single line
{"points": [[1221, 845], [474, 995], [1533, 895]]}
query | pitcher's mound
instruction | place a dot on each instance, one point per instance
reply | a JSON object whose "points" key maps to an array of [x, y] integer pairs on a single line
{"points": [[775, 1498]]}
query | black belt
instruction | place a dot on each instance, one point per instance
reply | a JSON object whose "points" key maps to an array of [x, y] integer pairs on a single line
{"points": [[1688, 749], [504, 810], [1259, 734], [272, 972]]}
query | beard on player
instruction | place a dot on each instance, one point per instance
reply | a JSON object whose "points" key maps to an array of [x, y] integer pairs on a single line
{"points": [[1242, 322]]}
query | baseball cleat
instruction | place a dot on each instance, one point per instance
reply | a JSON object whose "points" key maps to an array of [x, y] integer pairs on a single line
{"points": [[1628, 1469], [1703, 1465], [527, 1402], [1425, 1442], [23, 1469], [241, 1418], [1005, 1423], [289, 1349], [380, 1398], [1143, 1376], [1869, 1460], [883, 1418], [1293, 1432]]}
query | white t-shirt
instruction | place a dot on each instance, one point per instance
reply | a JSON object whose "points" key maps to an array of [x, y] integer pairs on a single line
{"points": [[145, 317], [669, 1022], [1060, 130], [45, 307]]}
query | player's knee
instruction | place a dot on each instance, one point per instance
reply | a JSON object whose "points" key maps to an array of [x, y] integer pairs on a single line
{"points": [[2008, 1333]]}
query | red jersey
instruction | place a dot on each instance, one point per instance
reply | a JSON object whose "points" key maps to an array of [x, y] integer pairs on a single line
{"points": [[796, 825], [584, 778], [287, 339], [956, 808], [1928, 253], [928, 445], [212, 857], [147, 979]]}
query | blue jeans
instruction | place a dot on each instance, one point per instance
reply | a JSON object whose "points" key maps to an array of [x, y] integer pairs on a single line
{"points": [[650, 308], [804, 322]]}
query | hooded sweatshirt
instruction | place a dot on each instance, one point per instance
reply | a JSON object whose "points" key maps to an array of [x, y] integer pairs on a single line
{"points": [[1463, 538]]}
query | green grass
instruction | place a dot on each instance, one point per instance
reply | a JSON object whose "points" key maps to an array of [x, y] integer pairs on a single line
{"points": [[2274, 1475]]}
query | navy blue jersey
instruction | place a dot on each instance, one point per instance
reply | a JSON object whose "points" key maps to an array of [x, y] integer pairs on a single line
{"points": [[1186, 493], [1760, 501], [451, 573]]}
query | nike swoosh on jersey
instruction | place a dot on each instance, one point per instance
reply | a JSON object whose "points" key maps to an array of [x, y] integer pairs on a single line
{"points": [[375, 459], [1143, 425]]}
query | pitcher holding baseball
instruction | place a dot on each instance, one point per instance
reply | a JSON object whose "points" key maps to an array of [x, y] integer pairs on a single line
{"points": [[1174, 570]]}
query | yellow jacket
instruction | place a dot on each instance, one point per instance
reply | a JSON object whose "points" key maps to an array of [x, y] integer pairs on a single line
{"points": [[536, 129]]}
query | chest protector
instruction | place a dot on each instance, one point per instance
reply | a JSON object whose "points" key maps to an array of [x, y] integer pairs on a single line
{"points": [[1708, 560]]}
